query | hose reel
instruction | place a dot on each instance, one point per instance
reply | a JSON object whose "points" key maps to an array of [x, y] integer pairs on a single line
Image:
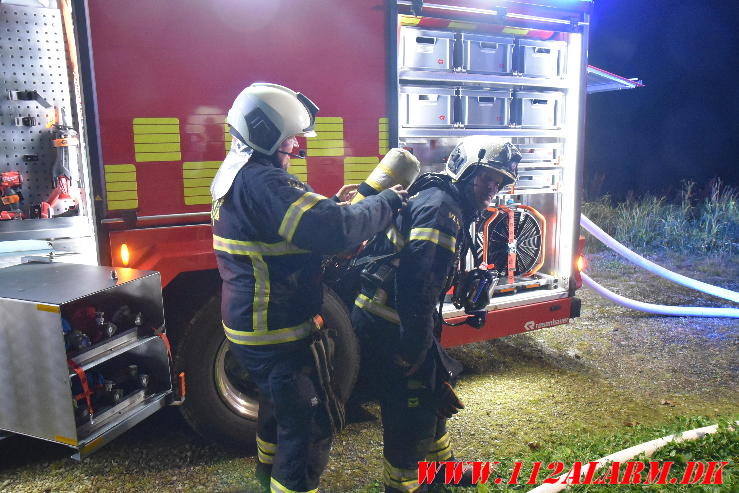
{"points": [[511, 239]]}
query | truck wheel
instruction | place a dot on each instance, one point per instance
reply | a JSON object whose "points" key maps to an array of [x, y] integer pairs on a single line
{"points": [[221, 403]]}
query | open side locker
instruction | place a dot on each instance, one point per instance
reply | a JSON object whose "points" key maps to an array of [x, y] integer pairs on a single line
{"points": [[87, 355], [524, 80]]}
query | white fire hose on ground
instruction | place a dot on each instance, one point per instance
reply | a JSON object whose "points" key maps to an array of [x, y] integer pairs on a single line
{"points": [[646, 448], [690, 311]]}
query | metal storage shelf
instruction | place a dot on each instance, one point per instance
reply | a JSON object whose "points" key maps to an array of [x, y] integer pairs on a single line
{"points": [[438, 133], [45, 229], [533, 191], [538, 166], [96, 356], [408, 76], [118, 420]]}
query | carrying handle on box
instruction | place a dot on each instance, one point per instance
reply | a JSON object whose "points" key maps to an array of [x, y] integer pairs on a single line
{"points": [[542, 51], [488, 46], [539, 102], [432, 98], [425, 44], [486, 100]]}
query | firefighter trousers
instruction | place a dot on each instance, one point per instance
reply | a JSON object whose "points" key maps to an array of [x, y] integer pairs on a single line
{"points": [[412, 432], [293, 432]]}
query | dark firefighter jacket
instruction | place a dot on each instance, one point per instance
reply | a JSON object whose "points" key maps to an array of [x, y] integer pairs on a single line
{"points": [[426, 235], [268, 233]]}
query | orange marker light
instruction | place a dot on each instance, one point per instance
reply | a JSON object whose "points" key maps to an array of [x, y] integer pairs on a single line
{"points": [[580, 263], [125, 255]]}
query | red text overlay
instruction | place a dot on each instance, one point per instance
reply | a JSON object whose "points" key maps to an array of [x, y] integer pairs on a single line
{"points": [[654, 472]]}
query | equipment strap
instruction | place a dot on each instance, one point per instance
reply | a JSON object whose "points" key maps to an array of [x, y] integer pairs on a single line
{"points": [[511, 239], [86, 392], [176, 379]]}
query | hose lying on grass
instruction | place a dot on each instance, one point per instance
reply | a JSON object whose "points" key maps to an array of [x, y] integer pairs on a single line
{"points": [[646, 448], [677, 311], [593, 229]]}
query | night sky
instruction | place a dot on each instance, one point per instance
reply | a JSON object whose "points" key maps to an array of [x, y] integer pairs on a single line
{"points": [[683, 125]]}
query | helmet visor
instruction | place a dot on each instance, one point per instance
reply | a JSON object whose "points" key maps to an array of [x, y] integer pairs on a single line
{"points": [[312, 111]]}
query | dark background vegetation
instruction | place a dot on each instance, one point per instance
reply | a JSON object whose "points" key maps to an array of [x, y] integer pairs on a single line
{"points": [[684, 124]]}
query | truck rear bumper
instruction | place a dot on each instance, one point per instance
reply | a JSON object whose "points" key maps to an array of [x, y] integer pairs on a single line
{"points": [[508, 321]]}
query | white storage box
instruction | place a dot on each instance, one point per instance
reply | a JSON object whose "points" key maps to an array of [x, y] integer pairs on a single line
{"points": [[543, 179], [539, 58], [537, 109], [426, 106], [540, 153], [485, 108], [487, 54], [425, 50]]}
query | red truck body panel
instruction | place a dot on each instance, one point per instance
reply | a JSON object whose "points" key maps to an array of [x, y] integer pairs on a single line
{"points": [[189, 59]]}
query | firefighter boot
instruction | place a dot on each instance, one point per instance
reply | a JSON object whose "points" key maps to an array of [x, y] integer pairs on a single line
{"points": [[264, 474]]}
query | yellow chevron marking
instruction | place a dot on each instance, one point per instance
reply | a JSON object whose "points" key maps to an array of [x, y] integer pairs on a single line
{"points": [[156, 121], [148, 157]]}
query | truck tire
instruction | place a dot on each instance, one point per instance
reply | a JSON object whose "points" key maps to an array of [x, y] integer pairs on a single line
{"points": [[221, 403]]}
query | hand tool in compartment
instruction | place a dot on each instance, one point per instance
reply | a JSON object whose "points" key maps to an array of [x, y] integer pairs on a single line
{"points": [[61, 201], [10, 215], [10, 195]]}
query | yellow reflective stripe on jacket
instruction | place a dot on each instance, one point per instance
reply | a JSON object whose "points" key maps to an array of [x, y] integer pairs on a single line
{"points": [[296, 210], [441, 449], [238, 247], [405, 480], [276, 487], [262, 337], [377, 306], [260, 303], [395, 237], [435, 236], [266, 451]]}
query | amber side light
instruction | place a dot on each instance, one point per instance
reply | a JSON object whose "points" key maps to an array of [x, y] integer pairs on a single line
{"points": [[125, 255]]}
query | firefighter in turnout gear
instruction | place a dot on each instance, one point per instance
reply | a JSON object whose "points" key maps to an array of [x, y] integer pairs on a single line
{"points": [[269, 230], [396, 313]]}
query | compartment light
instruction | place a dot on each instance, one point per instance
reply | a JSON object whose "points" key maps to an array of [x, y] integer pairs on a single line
{"points": [[125, 255]]}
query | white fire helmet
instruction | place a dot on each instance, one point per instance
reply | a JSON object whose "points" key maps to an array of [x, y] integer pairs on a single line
{"points": [[495, 153], [264, 115]]}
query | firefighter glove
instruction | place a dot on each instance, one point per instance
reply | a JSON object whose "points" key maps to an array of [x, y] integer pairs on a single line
{"points": [[447, 402]]}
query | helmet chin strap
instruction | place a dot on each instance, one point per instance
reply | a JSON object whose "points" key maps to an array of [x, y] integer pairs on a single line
{"points": [[465, 185]]}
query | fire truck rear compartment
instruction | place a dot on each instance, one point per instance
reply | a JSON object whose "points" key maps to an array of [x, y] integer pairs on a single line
{"points": [[515, 87]]}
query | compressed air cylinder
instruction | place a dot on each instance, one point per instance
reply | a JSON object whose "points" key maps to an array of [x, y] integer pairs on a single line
{"points": [[397, 167]]}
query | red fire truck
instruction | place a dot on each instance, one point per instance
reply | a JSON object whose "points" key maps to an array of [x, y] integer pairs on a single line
{"points": [[145, 86]]}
